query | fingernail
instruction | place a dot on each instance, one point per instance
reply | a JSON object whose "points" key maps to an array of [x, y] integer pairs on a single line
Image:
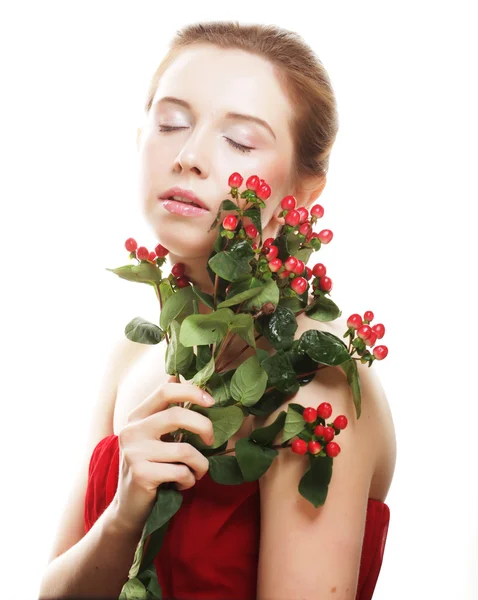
{"points": [[208, 399]]}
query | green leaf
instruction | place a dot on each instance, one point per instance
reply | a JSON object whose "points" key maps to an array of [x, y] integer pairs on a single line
{"points": [[266, 435], [207, 299], [323, 347], [165, 290], [203, 356], [143, 332], [155, 542], [254, 215], [219, 386], [249, 382], [179, 303], [304, 254], [314, 484], [145, 272], [225, 421], [269, 293], [225, 469], [268, 403], [350, 369], [168, 502], [281, 372], [294, 424], [279, 327], [323, 309], [225, 205], [238, 298], [133, 589], [149, 578], [302, 363], [294, 303], [243, 325], [253, 459], [204, 374], [232, 263], [178, 358], [199, 330]]}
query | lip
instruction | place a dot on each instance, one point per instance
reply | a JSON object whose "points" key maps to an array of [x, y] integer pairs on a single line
{"points": [[181, 208], [188, 194]]}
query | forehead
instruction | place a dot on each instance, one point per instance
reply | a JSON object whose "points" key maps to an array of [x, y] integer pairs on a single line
{"points": [[216, 80]]}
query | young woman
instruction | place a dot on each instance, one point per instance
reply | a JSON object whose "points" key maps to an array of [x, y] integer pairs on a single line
{"points": [[256, 100]]}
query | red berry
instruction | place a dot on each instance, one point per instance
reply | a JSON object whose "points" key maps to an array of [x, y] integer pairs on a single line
{"points": [[272, 253], [267, 242], [283, 274], [275, 264], [340, 422], [319, 430], [131, 244], [325, 284], [368, 316], [292, 218], [324, 410], [161, 251], [314, 447], [152, 256], [380, 352], [319, 270], [332, 449], [178, 270], [299, 285], [299, 268], [372, 339], [354, 321], [325, 236], [364, 332], [329, 434], [182, 282], [142, 253], [310, 414], [379, 329], [290, 263], [304, 214], [251, 232], [252, 183], [299, 446], [308, 273], [254, 246], [288, 203], [235, 180], [230, 223], [317, 211], [263, 191], [305, 228]]}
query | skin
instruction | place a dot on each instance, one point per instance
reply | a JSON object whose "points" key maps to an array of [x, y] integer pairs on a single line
{"points": [[215, 81]]}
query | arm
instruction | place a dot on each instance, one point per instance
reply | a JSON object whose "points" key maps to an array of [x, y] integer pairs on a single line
{"points": [[308, 553]]}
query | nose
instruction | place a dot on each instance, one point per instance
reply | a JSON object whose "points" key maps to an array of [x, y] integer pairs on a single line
{"points": [[192, 156]]}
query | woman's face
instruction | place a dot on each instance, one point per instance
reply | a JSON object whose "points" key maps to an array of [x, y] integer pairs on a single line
{"points": [[200, 154]]}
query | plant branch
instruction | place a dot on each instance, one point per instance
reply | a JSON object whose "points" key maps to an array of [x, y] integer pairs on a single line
{"points": [[158, 294], [233, 449]]}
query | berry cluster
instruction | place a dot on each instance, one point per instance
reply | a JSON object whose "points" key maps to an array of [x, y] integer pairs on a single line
{"points": [[321, 433], [366, 336]]}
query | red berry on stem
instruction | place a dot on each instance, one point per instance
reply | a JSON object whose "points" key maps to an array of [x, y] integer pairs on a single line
{"points": [[292, 218], [379, 329], [299, 446], [263, 191], [290, 263], [310, 414], [283, 274], [317, 211], [131, 244], [308, 273], [161, 251], [314, 447], [275, 264], [152, 256], [304, 214], [178, 270], [324, 410], [230, 223], [319, 270], [371, 340], [325, 284], [267, 242], [332, 449], [305, 228], [252, 183], [288, 203], [380, 352], [325, 236], [182, 282], [272, 253], [364, 332], [251, 231], [254, 246], [341, 422], [299, 268], [319, 430], [299, 285], [142, 253], [368, 316], [354, 321], [235, 180], [329, 434]]}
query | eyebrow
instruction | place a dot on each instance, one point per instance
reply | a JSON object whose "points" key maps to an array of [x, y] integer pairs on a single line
{"points": [[228, 115]]}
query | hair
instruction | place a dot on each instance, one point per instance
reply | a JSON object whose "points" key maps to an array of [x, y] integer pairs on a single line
{"points": [[301, 75]]}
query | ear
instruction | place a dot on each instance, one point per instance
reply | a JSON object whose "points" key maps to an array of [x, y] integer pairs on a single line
{"points": [[311, 190]]}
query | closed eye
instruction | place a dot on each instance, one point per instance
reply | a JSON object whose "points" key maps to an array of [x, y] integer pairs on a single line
{"points": [[240, 147]]}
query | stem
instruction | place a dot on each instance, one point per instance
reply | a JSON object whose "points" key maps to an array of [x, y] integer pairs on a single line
{"points": [[274, 446], [158, 294], [216, 283]]}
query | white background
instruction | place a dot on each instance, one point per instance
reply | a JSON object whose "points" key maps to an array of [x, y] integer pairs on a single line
{"points": [[400, 198]]}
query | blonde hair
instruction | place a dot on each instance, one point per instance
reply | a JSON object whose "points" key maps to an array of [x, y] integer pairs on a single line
{"points": [[301, 75]]}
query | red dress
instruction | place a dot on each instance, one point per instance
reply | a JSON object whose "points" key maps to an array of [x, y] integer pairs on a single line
{"points": [[221, 526]]}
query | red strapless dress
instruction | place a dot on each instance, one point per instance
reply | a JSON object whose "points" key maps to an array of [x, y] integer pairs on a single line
{"points": [[211, 547]]}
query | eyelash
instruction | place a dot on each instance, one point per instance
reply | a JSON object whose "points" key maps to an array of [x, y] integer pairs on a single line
{"points": [[240, 147]]}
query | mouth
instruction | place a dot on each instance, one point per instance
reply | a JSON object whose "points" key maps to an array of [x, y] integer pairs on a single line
{"points": [[183, 201], [183, 196]]}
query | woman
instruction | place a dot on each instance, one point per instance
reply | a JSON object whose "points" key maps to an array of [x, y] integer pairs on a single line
{"points": [[252, 99]]}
